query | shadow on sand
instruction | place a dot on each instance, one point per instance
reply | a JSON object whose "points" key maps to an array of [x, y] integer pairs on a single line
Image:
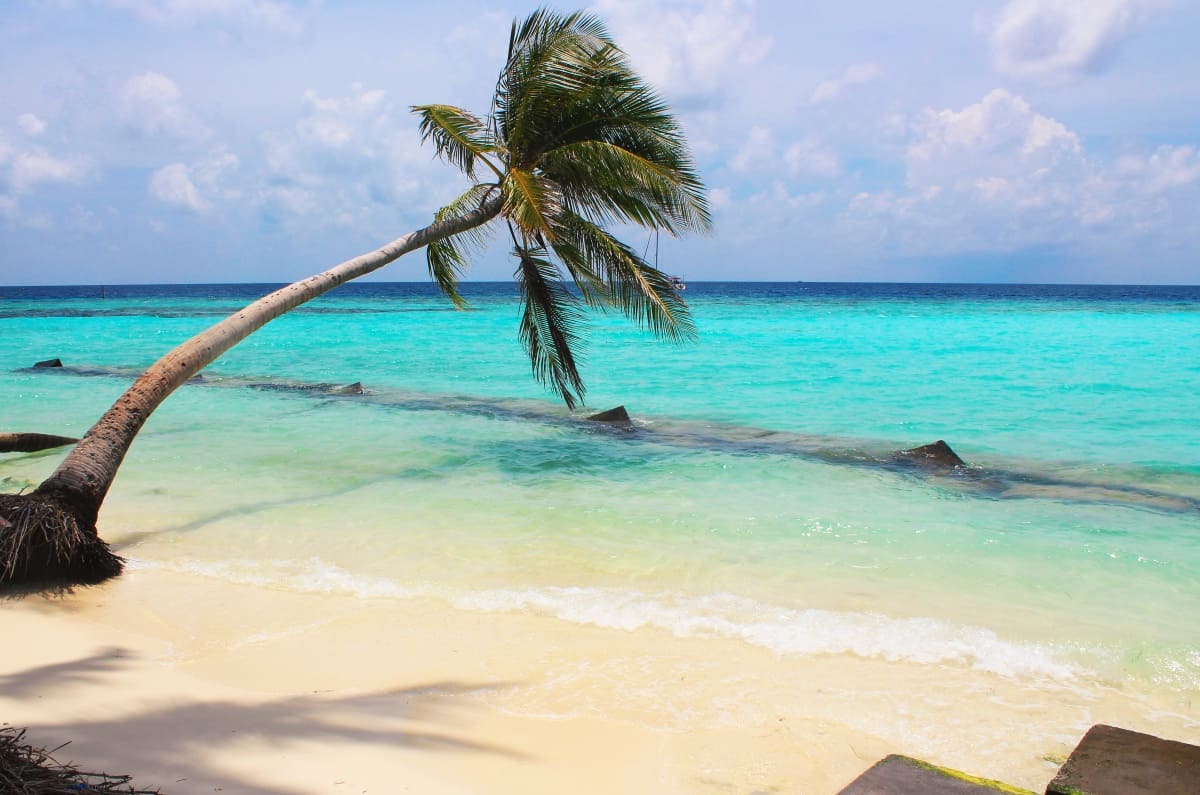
{"points": [[177, 738]]}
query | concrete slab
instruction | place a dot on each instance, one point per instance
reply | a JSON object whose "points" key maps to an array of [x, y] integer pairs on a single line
{"points": [[903, 775], [1114, 761]]}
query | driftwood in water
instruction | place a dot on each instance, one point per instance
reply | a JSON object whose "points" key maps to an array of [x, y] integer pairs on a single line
{"points": [[32, 442]]}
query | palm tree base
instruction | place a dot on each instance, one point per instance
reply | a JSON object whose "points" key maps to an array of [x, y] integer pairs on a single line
{"points": [[46, 543]]}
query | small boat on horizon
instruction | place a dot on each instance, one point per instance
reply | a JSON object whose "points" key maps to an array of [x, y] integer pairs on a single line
{"points": [[678, 283]]}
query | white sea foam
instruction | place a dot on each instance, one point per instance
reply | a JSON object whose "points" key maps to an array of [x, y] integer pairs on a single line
{"points": [[786, 631], [783, 630], [309, 576]]}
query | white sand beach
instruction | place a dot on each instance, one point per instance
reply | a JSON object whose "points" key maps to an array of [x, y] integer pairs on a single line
{"points": [[193, 684]]}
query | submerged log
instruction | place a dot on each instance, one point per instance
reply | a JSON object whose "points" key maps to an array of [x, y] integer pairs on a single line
{"points": [[32, 442], [930, 456], [50, 363], [615, 415]]}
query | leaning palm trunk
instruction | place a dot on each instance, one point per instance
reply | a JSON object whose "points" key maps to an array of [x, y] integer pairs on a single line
{"points": [[576, 141], [50, 534]]}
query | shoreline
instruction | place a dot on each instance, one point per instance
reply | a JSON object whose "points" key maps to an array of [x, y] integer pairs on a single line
{"points": [[190, 683]]}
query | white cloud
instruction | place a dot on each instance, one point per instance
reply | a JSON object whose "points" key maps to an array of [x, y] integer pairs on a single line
{"points": [[1169, 167], [154, 105], [855, 75], [346, 157], [332, 122], [36, 166], [1063, 39], [27, 167], [769, 211], [757, 153], [720, 198], [809, 158], [266, 14], [996, 175], [173, 185], [804, 158], [1000, 132], [197, 186], [31, 125], [993, 175], [780, 196], [686, 45], [212, 171]]}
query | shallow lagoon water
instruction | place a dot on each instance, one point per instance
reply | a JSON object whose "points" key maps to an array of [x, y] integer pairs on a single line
{"points": [[720, 515]]}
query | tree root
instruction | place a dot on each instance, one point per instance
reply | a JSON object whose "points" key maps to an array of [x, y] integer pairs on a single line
{"points": [[44, 545]]}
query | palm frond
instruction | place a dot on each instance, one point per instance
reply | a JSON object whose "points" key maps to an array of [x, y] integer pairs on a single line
{"points": [[578, 140], [643, 292], [459, 137], [544, 26], [591, 286], [448, 258], [550, 318], [607, 182], [548, 59], [532, 202], [570, 105], [607, 93]]}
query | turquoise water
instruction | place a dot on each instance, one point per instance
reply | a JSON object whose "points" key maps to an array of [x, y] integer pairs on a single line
{"points": [[754, 499]]}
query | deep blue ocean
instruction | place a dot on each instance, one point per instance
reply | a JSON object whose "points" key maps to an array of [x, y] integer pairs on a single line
{"points": [[782, 290]]}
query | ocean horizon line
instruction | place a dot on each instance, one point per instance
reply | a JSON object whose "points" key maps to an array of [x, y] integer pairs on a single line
{"points": [[427, 283]]}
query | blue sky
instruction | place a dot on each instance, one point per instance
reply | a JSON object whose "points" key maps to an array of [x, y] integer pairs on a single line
{"points": [[263, 140]]}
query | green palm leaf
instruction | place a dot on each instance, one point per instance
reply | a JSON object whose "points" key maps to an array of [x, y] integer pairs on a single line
{"points": [[460, 137], [578, 141], [548, 61], [607, 182], [531, 202], [550, 319], [449, 257], [597, 261]]}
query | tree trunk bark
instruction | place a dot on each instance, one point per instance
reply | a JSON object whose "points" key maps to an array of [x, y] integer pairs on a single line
{"points": [[32, 442], [84, 477]]}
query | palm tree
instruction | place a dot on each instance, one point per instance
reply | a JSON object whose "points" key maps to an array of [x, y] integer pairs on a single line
{"points": [[574, 142]]}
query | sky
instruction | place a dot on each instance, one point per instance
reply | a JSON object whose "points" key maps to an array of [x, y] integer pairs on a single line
{"points": [[177, 141]]}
